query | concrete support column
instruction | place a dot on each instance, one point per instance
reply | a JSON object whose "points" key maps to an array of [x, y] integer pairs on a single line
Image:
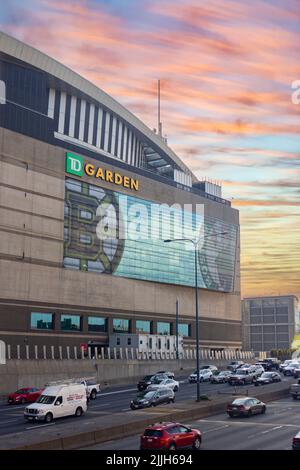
{"points": [[52, 352], [18, 351], [44, 351], [27, 351], [102, 353], [36, 351], [89, 352], [8, 351], [108, 353], [60, 352], [75, 352], [68, 352]]}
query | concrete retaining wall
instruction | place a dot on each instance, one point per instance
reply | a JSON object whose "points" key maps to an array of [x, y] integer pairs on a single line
{"points": [[35, 373]]}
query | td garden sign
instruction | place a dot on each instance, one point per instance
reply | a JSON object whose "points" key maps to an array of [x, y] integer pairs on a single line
{"points": [[76, 166]]}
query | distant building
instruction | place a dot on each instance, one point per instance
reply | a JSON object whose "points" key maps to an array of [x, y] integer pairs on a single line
{"points": [[269, 322]]}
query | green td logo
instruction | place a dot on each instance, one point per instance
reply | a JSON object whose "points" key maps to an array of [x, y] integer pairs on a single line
{"points": [[74, 164]]}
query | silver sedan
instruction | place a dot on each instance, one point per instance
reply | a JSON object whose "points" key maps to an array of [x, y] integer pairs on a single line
{"points": [[166, 383]]}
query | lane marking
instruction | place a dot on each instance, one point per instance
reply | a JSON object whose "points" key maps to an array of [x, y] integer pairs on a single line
{"points": [[216, 429], [248, 422], [119, 391], [272, 429], [40, 426], [99, 406], [10, 421]]}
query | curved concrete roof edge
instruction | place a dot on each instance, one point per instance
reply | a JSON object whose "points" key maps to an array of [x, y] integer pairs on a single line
{"points": [[18, 49]]}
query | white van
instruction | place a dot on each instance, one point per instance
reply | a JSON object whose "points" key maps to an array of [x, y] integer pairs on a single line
{"points": [[58, 401]]}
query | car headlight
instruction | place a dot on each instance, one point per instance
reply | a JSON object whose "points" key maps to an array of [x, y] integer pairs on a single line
{"points": [[145, 402], [40, 412]]}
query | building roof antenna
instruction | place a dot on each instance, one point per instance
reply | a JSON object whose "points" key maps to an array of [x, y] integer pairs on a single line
{"points": [[159, 127]]}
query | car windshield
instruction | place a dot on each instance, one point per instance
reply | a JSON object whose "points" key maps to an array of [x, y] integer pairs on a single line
{"points": [[242, 372], [46, 399], [146, 395], [267, 374], [147, 378], [294, 364], [90, 382], [21, 391]]}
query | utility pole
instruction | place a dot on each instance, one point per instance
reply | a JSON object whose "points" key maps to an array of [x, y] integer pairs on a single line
{"points": [[177, 320]]}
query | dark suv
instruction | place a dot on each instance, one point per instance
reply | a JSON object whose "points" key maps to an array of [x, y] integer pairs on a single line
{"points": [[153, 398], [151, 379]]}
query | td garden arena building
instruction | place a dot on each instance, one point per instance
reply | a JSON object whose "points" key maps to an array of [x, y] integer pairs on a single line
{"points": [[69, 152]]}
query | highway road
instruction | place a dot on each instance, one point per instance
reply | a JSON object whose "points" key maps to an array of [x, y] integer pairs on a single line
{"points": [[272, 431], [110, 400]]}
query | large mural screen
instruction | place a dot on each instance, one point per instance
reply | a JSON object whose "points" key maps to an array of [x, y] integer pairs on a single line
{"points": [[109, 232]]}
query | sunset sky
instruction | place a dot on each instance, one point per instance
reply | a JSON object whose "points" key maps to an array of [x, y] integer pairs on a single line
{"points": [[226, 69]]}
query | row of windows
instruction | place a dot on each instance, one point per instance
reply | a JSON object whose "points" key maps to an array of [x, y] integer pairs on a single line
{"points": [[258, 319], [269, 311], [269, 329], [45, 321], [85, 122]]}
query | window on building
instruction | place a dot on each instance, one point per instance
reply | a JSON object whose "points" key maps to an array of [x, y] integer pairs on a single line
{"points": [[118, 341], [42, 321], [70, 322], [159, 344], [184, 329], [150, 343], [143, 326], [97, 324], [163, 328], [129, 341], [120, 326]]}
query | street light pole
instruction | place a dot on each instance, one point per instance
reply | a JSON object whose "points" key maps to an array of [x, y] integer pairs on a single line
{"points": [[195, 243], [177, 320], [197, 323]]}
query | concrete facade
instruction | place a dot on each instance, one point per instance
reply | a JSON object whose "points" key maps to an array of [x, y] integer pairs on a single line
{"points": [[32, 276]]}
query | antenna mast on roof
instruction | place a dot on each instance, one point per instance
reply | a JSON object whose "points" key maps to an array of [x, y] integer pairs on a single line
{"points": [[159, 123]]}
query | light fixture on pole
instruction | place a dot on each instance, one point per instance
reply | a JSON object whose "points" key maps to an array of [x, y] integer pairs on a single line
{"points": [[195, 243]]}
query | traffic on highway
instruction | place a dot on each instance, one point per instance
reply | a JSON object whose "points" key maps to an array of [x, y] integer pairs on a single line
{"points": [[85, 399]]}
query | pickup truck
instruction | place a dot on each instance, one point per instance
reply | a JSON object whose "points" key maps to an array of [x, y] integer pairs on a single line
{"points": [[295, 390], [92, 388]]}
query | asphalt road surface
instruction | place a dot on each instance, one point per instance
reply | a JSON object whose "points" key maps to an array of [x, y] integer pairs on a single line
{"points": [[111, 400], [272, 431]]}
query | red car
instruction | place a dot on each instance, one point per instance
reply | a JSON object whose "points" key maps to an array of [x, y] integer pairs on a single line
{"points": [[170, 436], [24, 395]]}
